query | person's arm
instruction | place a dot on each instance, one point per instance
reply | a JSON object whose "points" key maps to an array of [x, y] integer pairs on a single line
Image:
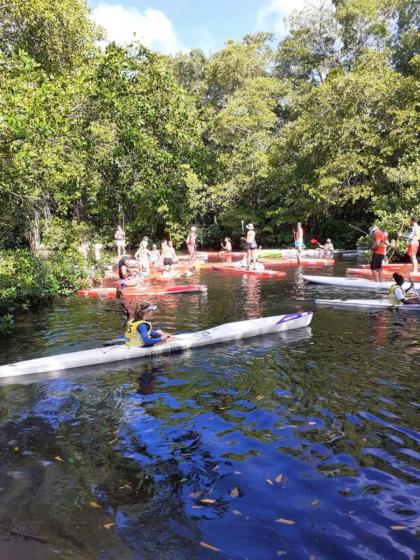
{"points": [[149, 340]]}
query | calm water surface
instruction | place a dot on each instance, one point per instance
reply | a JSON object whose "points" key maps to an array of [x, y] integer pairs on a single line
{"points": [[302, 446]]}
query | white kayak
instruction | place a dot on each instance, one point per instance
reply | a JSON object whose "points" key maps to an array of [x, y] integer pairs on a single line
{"points": [[179, 343], [345, 282], [367, 304]]}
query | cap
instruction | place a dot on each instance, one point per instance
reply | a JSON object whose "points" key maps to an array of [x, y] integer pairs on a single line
{"points": [[149, 307], [249, 226], [328, 241], [373, 229], [193, 227]]}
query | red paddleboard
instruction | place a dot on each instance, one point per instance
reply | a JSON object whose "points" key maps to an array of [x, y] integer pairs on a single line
{"points": [[263, 273], [365, 272], [395, 267], [138, 292], [294, 262]]}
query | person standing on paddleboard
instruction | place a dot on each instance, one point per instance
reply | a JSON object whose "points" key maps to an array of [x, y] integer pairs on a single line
{"points": [[139, 331], [251, 246], [120, 241], [298, 238], [413, 239], [143, 256], [191, 244], [397, 294], [380, 242]]}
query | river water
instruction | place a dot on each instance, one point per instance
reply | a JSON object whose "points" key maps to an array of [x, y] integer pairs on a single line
{"points": [[302, 446]]}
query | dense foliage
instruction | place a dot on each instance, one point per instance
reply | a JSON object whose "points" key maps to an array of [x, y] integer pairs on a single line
{"points": [[319, 128]]}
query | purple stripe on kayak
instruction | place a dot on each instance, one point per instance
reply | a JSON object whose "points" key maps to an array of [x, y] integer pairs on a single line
{"points": [[289, 317]]}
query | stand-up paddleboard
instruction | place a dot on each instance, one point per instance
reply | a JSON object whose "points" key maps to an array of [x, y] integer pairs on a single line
{"points": [[358, 283], [395, 267], [178, 343], [144, 291], [367, 304], [387, 273], [295, 262], [264, 273]]}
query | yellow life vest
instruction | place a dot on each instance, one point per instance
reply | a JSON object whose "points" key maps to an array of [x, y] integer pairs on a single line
{"points": [[132, 335], [392, 298]]}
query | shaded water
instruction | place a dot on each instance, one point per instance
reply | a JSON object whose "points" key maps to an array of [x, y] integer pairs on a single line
{"points": [[296, 446]]}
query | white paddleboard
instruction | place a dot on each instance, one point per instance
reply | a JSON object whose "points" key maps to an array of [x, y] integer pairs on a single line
{"points": [[345, 282], [179, 343], [367, 304]]}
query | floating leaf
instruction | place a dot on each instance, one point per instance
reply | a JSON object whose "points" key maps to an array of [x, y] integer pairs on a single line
{"points": [[59, 437], [234, 492], [209, 546], [398, 527], [216, 467], [269, 481], [127, 487], [315, 503], [237, 472], [285, 521], [108, 525], [312, 423], [58, 458], [194, 494], [259, 397], [207, 501], [236, 512], [279, 478], [94, 504], [196, 507], [113, 441]]}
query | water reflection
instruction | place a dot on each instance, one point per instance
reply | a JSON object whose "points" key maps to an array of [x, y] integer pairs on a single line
{"points": [[303, 444]]}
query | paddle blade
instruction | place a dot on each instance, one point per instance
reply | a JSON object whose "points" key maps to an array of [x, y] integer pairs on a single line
{"points": [[314, 241]]}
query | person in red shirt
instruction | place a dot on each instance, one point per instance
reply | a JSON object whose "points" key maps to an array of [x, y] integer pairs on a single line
{"points": [[380, 242]]}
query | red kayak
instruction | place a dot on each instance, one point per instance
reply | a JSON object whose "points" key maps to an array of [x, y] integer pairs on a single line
{"points": [[365, 272], [303, 262], [263, 273], [138, 292]]}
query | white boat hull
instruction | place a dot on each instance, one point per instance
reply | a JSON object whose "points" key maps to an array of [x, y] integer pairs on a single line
{"points": [[367, 304], [179, 343], [358, 283]]}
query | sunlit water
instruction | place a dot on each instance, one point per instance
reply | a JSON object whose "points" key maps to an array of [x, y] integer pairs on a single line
{"points": [[296, 446]]}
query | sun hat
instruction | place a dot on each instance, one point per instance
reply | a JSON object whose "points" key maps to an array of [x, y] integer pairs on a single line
{"points": [[373, 229], [249, 226]]}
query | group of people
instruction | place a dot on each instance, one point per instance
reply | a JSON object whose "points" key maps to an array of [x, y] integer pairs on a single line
{"points": [[381, 244]]}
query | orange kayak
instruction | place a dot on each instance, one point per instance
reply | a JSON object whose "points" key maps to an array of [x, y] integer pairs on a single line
{"points": [[138, 292], [395, 267]]}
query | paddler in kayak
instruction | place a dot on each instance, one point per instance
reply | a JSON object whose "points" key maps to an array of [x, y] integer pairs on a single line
{"points": [[139, 331], [191, 244], [298, 238], [380, 242], [397, 294], [328, 246]]}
